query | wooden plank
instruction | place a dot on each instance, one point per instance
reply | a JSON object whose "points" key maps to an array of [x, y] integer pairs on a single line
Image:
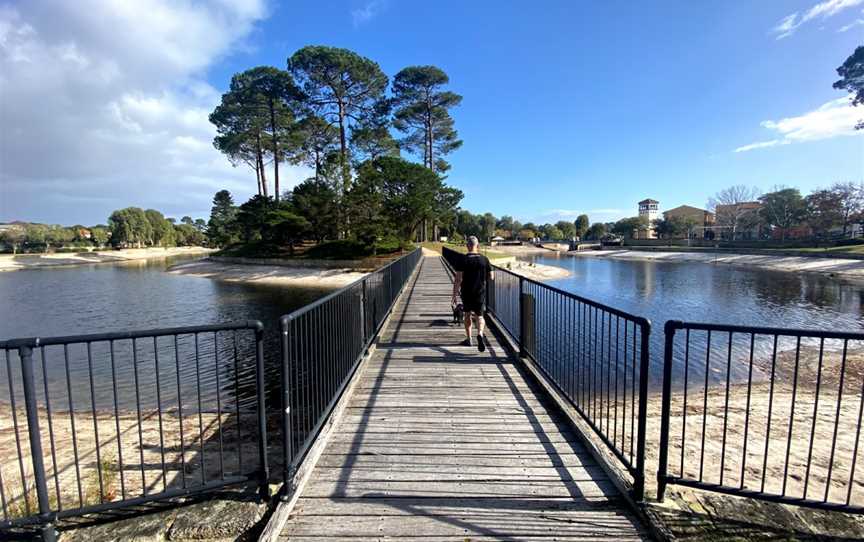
{"points": [[400, 506], [543, 526], [525, 460], [441, 488]]}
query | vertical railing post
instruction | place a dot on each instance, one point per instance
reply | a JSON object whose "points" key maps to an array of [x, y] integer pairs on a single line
{"points": [[390, 282], [639, 482], [526, 324], [521, 338], [287, 427], [669, 332], [264, 470], [25, 353], [363, 329]]}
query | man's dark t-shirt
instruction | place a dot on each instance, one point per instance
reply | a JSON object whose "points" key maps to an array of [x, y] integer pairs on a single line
{"points": [[475, 270]]}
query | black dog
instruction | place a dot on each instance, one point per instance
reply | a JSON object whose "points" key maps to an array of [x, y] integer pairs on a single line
{"points": [[458, 314]]}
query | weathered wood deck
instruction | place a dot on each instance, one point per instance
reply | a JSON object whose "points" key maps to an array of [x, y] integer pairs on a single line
{"points": [[441, 442]]}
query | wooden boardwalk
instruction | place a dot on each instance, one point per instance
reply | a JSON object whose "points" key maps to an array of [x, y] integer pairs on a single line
{"points": [[441, 442]]}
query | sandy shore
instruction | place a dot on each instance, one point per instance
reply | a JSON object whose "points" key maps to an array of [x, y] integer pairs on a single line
{"points": [[155, 454], [535, 271], [9, 262], [268, 274]]}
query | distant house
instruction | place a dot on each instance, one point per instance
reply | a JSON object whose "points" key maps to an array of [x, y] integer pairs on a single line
{"points": [[701, 219], [739, 221]]}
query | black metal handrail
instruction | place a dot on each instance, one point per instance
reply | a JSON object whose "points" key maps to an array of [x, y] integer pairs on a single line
{"points": [[102, 445], [322, 346], [594, 355], [811, 409]]}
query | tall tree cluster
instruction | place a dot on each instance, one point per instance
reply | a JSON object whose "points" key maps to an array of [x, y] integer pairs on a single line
{"points": [[332, 110], [336, 112]]}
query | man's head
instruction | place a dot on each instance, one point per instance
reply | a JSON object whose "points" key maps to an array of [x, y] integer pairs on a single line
{"points": [[472, 243]]}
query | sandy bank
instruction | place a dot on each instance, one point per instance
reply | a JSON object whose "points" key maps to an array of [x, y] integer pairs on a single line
{"points": [[523, 250], [853, 269], [529, 270], [9, 262], [267, 274], [535, 271]]}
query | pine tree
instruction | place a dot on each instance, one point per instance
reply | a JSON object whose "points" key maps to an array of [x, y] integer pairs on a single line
{"points": [[422, 114]]}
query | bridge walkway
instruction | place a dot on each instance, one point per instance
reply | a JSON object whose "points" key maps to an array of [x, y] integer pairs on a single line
{"points": [[442, 442]]}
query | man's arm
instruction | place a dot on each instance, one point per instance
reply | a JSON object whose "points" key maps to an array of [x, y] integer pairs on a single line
{"points": [[457, 282]]}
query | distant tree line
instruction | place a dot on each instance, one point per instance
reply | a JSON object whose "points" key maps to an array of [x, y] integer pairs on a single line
{"points": [[739, 211], [138, 228], [131, 227]]}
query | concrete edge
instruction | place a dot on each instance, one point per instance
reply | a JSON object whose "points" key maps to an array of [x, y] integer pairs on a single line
{"points": [[279, 517]]}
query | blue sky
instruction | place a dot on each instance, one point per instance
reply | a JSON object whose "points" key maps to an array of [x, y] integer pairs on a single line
{"points": [[568, 107]]}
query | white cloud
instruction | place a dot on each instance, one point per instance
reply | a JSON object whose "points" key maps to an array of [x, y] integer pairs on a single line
{"points": [[367, 12], [835, 118], [853, 24], [828, 8], [104, 103], [761, 145]]}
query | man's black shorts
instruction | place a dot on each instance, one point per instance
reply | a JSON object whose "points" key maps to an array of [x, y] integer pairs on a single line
{"points": [[474, 303]]}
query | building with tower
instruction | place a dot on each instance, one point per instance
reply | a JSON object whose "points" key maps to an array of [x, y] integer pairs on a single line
{"points": [[649, 209]]}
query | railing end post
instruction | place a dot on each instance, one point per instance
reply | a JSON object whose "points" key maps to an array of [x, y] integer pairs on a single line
{"points": [[25, 354], [665, 406]]}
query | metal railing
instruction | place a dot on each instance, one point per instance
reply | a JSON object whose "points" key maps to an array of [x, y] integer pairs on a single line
{"points": [[107, 421], [322, 345], [766, 413], [596, 357]]}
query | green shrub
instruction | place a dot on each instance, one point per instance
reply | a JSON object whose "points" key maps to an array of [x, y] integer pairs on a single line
{"points": [[343, 249], [256, 249]]}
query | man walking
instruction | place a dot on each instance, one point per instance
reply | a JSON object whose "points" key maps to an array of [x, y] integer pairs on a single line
{"points": [[471, 275]]}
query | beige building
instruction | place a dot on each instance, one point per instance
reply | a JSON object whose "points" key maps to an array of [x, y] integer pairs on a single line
{"points": [[649, 209], [702, 220]]}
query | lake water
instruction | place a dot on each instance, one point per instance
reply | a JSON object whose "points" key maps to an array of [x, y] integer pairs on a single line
{"points": [[132, 295]]}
